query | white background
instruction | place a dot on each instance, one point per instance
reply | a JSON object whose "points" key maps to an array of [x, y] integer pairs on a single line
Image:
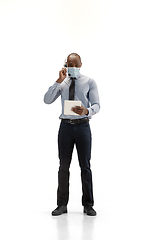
{"points": [[118, 42]]}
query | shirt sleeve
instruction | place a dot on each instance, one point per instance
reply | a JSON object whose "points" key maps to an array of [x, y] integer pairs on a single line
{"points": [[93, 99], [53, 93]]}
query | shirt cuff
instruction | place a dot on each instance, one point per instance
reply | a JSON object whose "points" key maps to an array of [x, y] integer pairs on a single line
{"points": [[57, 84], [89, 112]]}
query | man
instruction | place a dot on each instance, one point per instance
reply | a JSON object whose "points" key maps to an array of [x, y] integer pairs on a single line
{"points": [[74, 129]]}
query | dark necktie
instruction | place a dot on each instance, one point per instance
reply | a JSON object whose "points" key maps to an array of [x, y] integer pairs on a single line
{"points": [[72, 89]]}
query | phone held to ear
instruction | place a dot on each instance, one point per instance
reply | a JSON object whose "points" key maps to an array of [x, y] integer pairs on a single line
{"points": [[65, 64]]}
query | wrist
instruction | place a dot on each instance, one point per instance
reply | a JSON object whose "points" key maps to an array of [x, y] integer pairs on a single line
{"points": [[86, 111], [59, 80]]}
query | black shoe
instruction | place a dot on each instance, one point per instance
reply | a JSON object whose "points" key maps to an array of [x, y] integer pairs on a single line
{"points": [[90, 211], [59, 211]]}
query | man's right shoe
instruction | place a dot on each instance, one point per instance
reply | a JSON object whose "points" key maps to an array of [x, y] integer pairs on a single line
{"points": [[90, 211], [59, 210]]}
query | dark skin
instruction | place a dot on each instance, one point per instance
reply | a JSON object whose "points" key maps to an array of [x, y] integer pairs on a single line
{"points": [[72, 61]]}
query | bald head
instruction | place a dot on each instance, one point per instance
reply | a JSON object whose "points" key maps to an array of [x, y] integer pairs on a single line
{"points": [[74, 60], [74, 55]]}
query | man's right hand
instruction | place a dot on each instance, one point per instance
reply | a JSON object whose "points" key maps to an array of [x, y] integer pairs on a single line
{"points": [[62, 75]]}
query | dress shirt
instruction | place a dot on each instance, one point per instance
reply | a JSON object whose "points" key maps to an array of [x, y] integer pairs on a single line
{"points": [[85, 91]]}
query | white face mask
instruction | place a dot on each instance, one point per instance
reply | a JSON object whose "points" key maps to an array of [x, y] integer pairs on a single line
{"points": [[73, 71]]}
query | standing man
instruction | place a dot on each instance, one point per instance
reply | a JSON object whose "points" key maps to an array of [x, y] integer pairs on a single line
{"points": [[74, 129]]}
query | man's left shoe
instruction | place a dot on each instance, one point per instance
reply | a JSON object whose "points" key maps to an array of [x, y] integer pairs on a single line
{"points": [[90, 211]]}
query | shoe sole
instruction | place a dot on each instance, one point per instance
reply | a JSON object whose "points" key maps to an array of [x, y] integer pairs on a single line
{"points": [[54, 214], [90, 214]]}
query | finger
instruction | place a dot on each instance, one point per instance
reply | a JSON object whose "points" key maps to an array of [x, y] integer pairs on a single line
{"points": [[76, 111], [63, 72], [79, 113], [77, 107]]}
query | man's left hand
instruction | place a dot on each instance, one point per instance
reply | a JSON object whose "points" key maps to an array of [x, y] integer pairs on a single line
{"points": [[80, 110]]}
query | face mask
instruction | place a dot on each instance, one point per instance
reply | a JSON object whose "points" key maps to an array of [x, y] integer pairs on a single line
{"points": [[73, 71]]}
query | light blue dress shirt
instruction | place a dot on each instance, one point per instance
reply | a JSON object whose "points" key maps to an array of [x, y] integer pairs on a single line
{"points": [[85, 91]]}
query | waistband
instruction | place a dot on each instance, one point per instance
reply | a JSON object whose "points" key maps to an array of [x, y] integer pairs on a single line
{"points": [[75, 121]]}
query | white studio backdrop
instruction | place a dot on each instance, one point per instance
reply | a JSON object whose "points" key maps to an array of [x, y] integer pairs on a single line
{"points": [[118, 42]]}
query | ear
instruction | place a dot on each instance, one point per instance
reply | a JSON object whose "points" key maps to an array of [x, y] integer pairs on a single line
{"points": [[81, 65]]}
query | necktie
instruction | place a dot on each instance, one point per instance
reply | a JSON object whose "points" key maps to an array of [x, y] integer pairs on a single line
{"points": [[72, 89]]}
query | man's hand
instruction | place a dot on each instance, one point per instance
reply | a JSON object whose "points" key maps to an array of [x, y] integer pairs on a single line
{"points": [[80, 110], [62, 75]]}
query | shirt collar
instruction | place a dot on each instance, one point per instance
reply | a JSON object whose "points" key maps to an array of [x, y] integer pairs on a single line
{"points": [[68, 79], [78, 76]]}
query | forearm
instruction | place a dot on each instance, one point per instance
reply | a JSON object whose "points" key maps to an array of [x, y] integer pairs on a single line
{"points": [[93, 109], [94, 99], [53, 93]]}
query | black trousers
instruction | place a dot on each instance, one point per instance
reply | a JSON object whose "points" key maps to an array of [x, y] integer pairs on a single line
{"points": [[80, 136]]}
